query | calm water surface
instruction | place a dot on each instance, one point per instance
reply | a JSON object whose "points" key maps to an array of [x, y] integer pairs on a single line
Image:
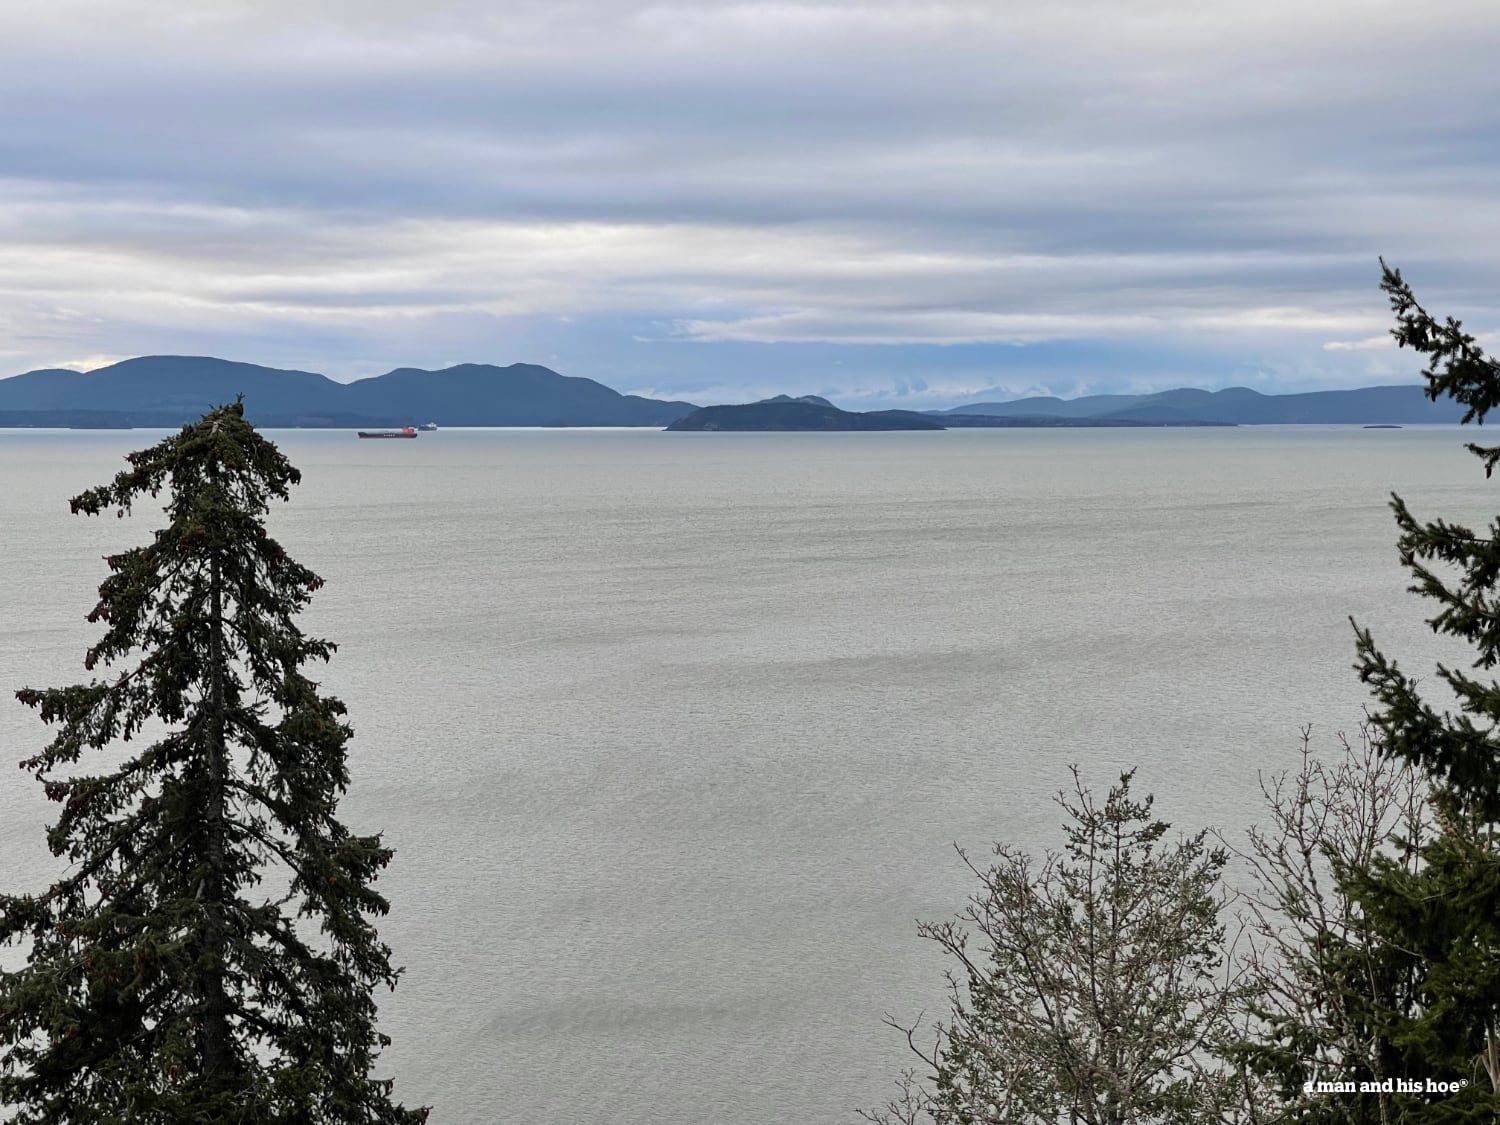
{"points": [[674, 733]]}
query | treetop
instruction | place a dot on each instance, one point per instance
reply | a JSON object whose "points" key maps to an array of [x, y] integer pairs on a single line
{"points": [[220, 440]]}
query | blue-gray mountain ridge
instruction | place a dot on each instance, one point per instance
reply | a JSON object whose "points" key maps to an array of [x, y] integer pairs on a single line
{"points": [[168, 391], [1398, 405], [173, 390]]}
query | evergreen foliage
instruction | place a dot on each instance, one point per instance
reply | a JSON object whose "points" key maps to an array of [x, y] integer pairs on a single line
{"points": [[1460, 750], [1436, 1011], [210, 955]]}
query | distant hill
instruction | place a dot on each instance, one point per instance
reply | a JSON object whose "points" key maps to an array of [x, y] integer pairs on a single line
{"points": [[173, 384], [523, 394], [796, 414], [1049, 421], [814, 399], [171, 390], [1399, 405]]}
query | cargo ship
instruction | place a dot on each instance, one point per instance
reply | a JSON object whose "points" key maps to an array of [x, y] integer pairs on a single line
{"points": [[404, 431]]}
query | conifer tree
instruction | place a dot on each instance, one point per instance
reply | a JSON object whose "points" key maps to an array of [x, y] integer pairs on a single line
{"points": [[1440, 918], [210, 954]]}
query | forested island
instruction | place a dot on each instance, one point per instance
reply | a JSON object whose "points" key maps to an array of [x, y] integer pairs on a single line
{"points": [[799, 415]]}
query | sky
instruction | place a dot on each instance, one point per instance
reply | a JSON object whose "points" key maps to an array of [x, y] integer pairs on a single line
{"points": [[885, 203]]}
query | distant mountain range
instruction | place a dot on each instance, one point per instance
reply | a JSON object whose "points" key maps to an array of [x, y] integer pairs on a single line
{"points": [[1237, 405], [167, 391]]}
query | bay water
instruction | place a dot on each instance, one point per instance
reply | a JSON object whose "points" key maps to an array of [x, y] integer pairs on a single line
{"points": [[674, 734]]}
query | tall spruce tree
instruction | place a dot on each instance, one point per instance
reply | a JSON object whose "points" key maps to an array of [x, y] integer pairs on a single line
{"points": [[1441, 918], [210, 954]]}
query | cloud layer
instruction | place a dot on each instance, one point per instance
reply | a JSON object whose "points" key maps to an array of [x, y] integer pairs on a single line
{"points": [[880, 201]]}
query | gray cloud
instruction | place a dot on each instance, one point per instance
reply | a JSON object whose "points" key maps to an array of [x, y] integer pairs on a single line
{"points": [[356, 178]]}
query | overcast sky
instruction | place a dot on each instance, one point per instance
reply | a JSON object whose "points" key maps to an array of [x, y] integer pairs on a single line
{"points": [[888, 203]]}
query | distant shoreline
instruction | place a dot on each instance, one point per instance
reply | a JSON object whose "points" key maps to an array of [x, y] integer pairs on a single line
{"points": [[23, 429], [167, 392]]}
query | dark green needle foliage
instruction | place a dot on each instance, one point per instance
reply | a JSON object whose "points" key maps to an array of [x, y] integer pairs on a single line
{"points": [[209, 956], [1460, 749], [1439, 919]]}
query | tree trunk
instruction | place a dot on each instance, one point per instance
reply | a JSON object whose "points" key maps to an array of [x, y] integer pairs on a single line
{"points": [[217, 1053]]}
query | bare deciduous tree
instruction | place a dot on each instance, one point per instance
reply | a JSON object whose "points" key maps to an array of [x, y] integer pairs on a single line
{"points": [[1092, 984], [1316, 973]]}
